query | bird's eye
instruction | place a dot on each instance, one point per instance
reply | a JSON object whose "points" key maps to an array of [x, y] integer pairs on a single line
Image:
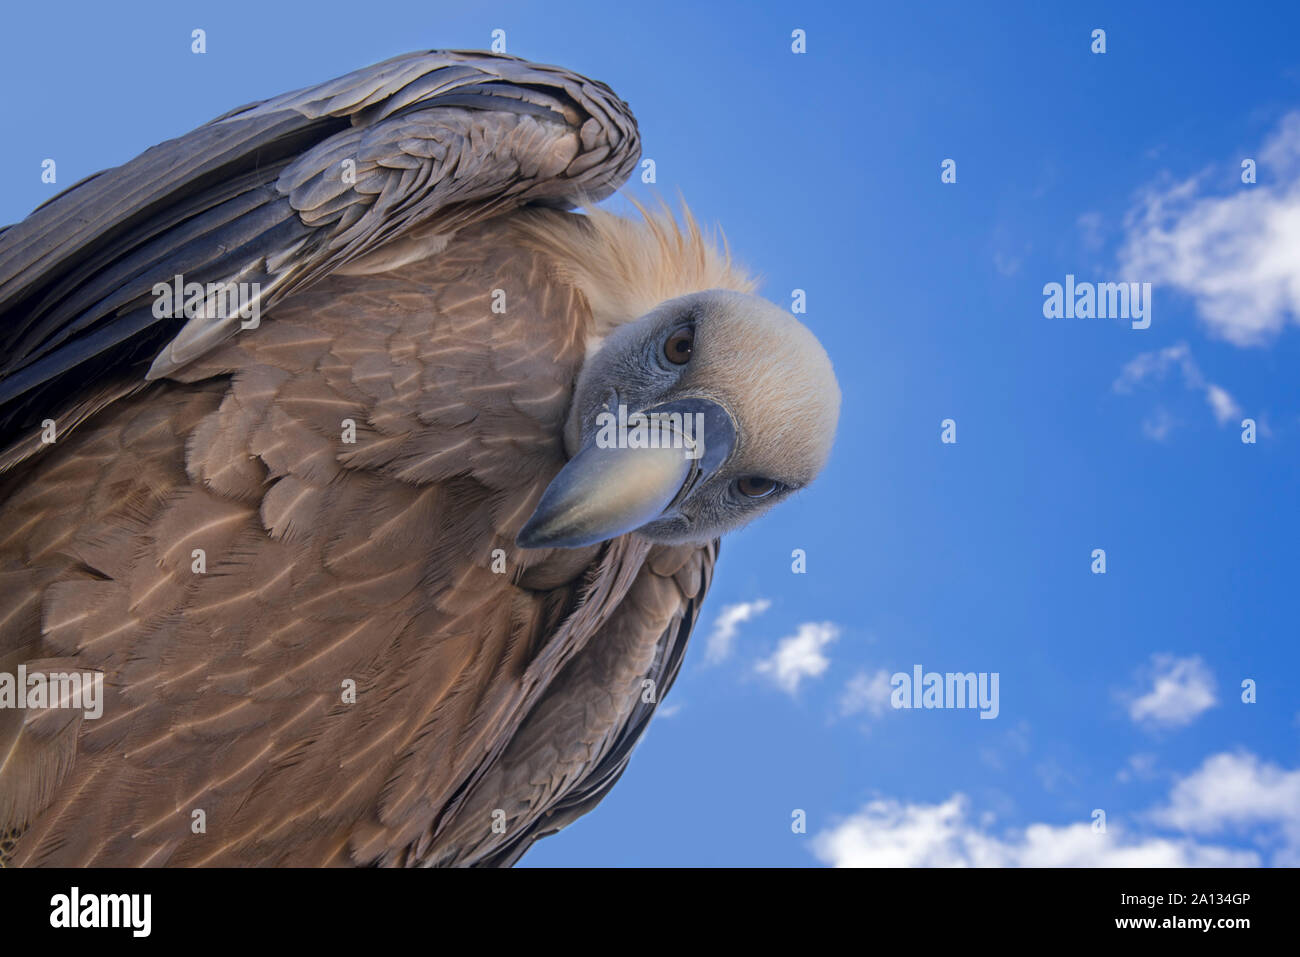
{"points": [[678, 346], [751, 486]]}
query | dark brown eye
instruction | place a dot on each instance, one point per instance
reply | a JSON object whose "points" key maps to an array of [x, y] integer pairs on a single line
{"points": [[678, 347], [751, 486]]}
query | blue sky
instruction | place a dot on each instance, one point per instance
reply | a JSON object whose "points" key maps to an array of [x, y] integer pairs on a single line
{"points": [[1119, 692]]}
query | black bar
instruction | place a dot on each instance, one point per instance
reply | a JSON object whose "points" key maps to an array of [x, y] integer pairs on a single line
{"points": [[232, 907]]}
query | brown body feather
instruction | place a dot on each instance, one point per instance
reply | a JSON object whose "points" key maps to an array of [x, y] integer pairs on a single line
{"points": [[481, 697]]}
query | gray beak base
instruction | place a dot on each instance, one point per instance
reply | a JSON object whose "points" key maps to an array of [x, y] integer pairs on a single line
{"points": [[610, 487]]}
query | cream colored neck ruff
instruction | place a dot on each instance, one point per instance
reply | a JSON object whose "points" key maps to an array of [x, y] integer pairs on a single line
{"points": [[624, 268]]}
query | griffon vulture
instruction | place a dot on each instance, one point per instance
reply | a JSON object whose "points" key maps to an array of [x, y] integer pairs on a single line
{"points": [[356, 579]]}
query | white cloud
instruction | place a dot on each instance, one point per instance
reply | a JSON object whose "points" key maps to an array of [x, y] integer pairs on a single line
{"points": [[868, 692], [1228, 793], [1181, 688], [888, 833], [1233, 253], [1224, 406], [1155, 366], [726, 626], [1238, 791], [1159, 425], [799, 656]]}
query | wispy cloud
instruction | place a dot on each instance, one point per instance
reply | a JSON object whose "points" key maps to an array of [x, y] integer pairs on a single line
{"points": [[1225, 406], [1155, 366], [1181, 688], [799, 656], [727, 625], [866, 692], [1158, 424], [1232, 251], [1014, 743], [1139, 767]]}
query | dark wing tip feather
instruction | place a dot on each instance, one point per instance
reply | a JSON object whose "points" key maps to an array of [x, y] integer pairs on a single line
{"points": [[249, 187], [604, 774]]}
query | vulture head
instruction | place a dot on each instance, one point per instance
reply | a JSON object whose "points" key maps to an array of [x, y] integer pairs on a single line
{"points": [[689, 422]]}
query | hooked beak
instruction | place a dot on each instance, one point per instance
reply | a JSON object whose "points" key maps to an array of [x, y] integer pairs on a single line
{"points": [[610, 487]]}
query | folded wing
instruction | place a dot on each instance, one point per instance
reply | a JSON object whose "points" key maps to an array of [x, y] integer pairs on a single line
{"points": [[279, 194]]}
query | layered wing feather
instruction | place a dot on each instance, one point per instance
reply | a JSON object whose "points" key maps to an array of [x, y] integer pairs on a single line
{"points": [[281, 193]]}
